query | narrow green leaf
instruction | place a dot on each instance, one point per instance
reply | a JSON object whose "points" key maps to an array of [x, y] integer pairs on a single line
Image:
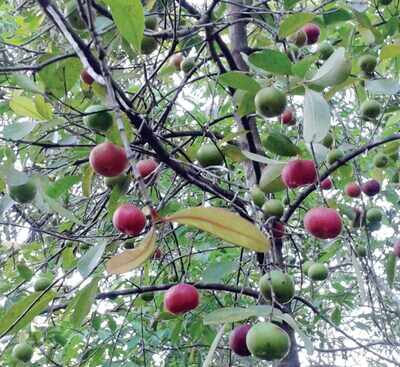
{"points": [[273, 61], [84, 302], [87, 180], [280, 144], [239, 80], [45, 109], [294, 22], [213, 347], [390, 269], [90, 260]]}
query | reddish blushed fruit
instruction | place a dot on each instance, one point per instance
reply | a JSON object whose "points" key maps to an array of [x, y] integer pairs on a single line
{"points": [[278, 230], [371, 187], [288, 117], [181, 298], [312, 32], [176, 61], [129, 219], [396, 248], [323, 223], [326, 184], [352, 190], [237, 340], [298, 173], [86, 77], [108, 159], [146, 166], [157, 254]]}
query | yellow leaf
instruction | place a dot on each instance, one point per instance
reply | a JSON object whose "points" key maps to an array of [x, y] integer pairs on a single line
{"points": [[224, 224], [131, 259], [24, 106], [87, 180]]}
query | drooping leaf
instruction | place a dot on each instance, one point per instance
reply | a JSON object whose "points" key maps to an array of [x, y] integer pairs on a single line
{"points": [[273, 61], [84, 301], [383, 86], [88, 262], [280, 144], [239, 80], [294, 22], [209, 359], [390, 269], [224, 224], [260, 158]]}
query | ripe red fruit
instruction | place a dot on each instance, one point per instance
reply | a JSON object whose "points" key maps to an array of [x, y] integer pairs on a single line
{"points": [[86, 77], [326, 184], [299, 172], [108, 160], [129, 219], [278, 230], [288, 117], [396, 248], [371, 187], [352, 190], [323, 223], [181, 298], [312, 32], [146, 166], [237, 340]]}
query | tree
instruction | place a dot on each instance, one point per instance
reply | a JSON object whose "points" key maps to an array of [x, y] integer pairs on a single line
{"points": [[196, 115]]}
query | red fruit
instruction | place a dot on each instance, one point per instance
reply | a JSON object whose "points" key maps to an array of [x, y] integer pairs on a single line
{"points": [[298, 173], [86, 77], [396, 248], [237, 340], [323, 223], [278, 230], [371, 187], [157, 254], [288, 117], [181, 298], [312, 32], [146, 166], [352, 190], [108, 160], [326, 184], [129, 219]]}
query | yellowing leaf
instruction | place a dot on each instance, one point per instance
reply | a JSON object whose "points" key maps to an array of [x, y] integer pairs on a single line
{"points": [[87, 180], [131, 259], [224, 224], [24, 106], [43, 108], [390, 51]]}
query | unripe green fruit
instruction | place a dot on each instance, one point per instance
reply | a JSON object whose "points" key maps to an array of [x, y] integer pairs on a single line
{"points": [[374, 215], [269, 186], [327, 141], [130, 244], [270, 102], [268, 341], [273, 207], [151, 22], [281, 283], [24, 193], [98, 118], [149, 45], [335, 155], [257, 196], [209, 155], [147, 297], [42, 283], [121, 181], [22, 352], [326, 50], [361, 251], [367, 63], [306, 266], [187, 65], [370, 109], [318, 271], [74, 17], [381, 160]]}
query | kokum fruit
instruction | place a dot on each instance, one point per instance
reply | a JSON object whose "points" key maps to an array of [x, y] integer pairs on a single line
{"points": [[312, 31], [281, 283], [237, 340], [396, 248], [318, 272], [176, 61], [147, 297], [326, 184], [273, 207], [335, 155], [149, 45], [151, 22], [98, 118], [129, 219], [188, 65], [42, 283], [181, 298], [22, 352], [299, 172], [371, 187], [24, 193], [288, 117], [325, 50], [257, 196], [381, 160], [306, 266], [146, 167], [108, 159], [352, 190], [323, 223], [299, 38], [209, 155], [370, 109], [270, 102], [268, 341], [122, 182], [374, 215], [367, 63], [86, 77]]}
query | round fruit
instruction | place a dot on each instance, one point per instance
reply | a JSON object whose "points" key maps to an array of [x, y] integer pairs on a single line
{"points": [[361, 251], [281, 283], [149, 45], [176, 61], [237, 340], [42, 283], [335, 155], [74, 17], [278, 230], [122, 182], [188, 65], [86, 77], [270, 102], [147, 297], [381, 160], [257, 196], [108, 159], [268, 341], [374, 215], [299, 38], [130, 244], [396, 248], [273, 207], [327, 141], [318, 271], [129, 219], [352, 190], [312, 32], [24, 193], [370, 109], [306, 266], [326, 184], [209, 155], [323, 223], [146, 167], [367, 63], [371, 187], [269, 186], [181, 298], [288, 117], [326, 50], [22, 352], [151, 22], [298, 173], [98, 118]]}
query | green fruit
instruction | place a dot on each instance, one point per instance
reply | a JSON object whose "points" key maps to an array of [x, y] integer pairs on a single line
{"points": [[22, 352], [24, 193], [42, 283], [326, 50], [273, 207], [381, 160], [271, 180], [282, 286], [121, 181], [149, 45], [151, 22], [395, 178], [98, 118], [327, 141], [306, 266], [257, 196], [270, 102], [187, 65], [74, 17], [334, 156], [147, 297], [361, 251], [370, 109], [130, 244], [374, 215], [209, 155], [318, 271], [268, 341], [367, 63]]}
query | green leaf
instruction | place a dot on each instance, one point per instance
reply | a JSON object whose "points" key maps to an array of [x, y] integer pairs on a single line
{"points": [[27, 83], [389, 51], [128, 16], [45, 109], [88, 262], [271, 180], [18, 130], [244, 102], [24, 106], [303, 66], [56, 206], [14, 177], [336, 15], [215, 272], [239, 80], [209, 359], [280, 144], [61, 186], [273, 61], [87, 180], [24, 271], [336, 316], [68, 258], [84, 301], [390, 269], [383, 86], [294, 22]]}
